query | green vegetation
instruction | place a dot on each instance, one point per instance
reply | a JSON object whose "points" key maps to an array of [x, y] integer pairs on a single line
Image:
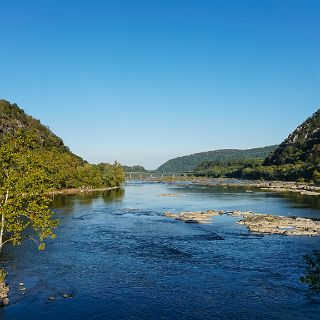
{"points": [[13, 118], [227, 168], [254, 169], [64, 169], [3, 274], [34, 161], [23, 183], [134, 169], [312, 277], [191, 162], [299, 155], [296, 159], [67, 172]]}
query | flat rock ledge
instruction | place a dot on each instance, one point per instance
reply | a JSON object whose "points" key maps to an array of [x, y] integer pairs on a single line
{"points": [[194, 217], [270, 224], [307, 191], [4, 290], [256, 222]]}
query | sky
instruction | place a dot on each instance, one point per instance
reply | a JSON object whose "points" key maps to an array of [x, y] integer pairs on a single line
{"points": [[143, 81]]}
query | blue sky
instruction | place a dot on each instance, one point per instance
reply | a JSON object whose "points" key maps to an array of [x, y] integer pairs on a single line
{"points": [[146, 80]]}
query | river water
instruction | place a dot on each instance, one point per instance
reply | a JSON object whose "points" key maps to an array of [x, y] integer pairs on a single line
{"points": [[120, 258]]}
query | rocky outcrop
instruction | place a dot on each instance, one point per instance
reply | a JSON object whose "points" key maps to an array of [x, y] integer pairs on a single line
{"points": [[302, 189], [239, 213], [4, 290], [271, 224], [302, 145], [255, 222], [194, 217]]}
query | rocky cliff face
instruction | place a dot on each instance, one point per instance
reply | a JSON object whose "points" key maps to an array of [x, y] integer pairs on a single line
{"points": [[302, 145], [308, 130], [13, 118]]}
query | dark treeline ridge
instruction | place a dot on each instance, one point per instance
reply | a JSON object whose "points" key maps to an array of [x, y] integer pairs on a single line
{"points": [[191, 162], [296, 159], [64, 169], [226, 168], [135, 169]]}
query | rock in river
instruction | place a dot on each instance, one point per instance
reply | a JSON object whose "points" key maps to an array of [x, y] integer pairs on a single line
{"points": [[267, 223], [4, 290], [194, 217]]}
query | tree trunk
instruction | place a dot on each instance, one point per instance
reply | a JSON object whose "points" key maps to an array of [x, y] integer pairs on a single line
{"points": [[3, 221]]}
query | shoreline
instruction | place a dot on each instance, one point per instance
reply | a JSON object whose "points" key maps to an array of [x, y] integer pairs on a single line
{"points": [[74, 191], [274, 186]]}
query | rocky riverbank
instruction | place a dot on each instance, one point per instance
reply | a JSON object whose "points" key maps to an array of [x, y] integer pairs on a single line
{"points": [[256, 223], [274, 186], [4, 290], [79, 190]]}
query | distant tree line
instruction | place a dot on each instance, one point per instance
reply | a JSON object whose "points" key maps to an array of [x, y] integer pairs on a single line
{"points": [[191, 162], [256, 169]]}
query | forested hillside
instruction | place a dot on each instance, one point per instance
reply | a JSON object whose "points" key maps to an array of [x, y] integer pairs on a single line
{"points": [[65, 169], [13, 118], [189, 163], [297, 158], [301, 146], [136, 169]]}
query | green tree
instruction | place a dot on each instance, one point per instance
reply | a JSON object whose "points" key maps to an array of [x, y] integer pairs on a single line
{"points": [[24, 211], [316, 177], [112, 175], [312, 277]]}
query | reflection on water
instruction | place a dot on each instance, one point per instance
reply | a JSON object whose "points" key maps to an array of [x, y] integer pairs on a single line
{"points": [[122, 259], [297, 199], [300, 200], [113, 195], [68, 202]]}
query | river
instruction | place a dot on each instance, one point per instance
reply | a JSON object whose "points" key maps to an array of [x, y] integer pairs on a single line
{"points": [[120, 258]]}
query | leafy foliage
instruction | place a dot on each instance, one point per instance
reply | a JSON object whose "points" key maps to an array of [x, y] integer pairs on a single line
{"points": [[33, 161], [312, 277], [3, 274], [189, 163], [228, 168], [66, 171], [63, 168], [23, 183]]}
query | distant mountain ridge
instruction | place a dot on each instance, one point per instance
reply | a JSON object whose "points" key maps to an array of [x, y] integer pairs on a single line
{"points": [[190, 162]]}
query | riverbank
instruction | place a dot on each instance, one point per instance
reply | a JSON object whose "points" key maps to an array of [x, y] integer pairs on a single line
{"points": [[79, 190], [274, 186]]}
